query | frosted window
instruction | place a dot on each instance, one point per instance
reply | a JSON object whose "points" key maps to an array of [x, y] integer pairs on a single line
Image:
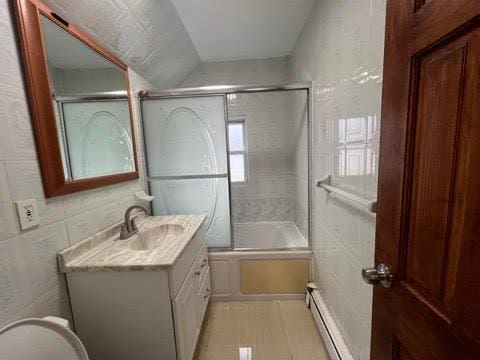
{"points": [[237, 167], [235, 137]]}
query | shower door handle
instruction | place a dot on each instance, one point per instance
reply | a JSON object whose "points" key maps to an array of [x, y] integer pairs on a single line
{"points": [[380, 275]]}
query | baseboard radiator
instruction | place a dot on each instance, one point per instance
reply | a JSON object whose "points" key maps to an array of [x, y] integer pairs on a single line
{"points": [[332, 338]]}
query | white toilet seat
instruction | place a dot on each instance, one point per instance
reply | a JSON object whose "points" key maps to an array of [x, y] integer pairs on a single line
{"points": [[39, 339]]}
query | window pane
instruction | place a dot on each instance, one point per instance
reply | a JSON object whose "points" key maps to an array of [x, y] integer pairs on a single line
{"points": [[235, 136], [237, 167]]}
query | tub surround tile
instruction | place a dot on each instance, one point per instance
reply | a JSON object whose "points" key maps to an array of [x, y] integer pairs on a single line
{"points": [[377, 32], [105, 252], [269, 209]]}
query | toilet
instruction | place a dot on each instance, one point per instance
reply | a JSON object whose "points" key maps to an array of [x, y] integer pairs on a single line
{"points": [[49, 338]]}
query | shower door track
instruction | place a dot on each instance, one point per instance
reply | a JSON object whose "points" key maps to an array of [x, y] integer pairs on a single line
{"points": [[98, 96], [188, 177], [224, 91]]}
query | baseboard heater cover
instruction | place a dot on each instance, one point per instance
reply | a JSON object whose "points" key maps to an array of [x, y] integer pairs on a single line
{"points": [[332, 338]]}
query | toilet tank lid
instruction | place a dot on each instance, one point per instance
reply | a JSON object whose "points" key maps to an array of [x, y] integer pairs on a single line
{"points": [[40, 339]]}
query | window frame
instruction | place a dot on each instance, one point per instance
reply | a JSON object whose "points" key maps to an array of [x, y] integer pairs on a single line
{"points": [[239, 120]]}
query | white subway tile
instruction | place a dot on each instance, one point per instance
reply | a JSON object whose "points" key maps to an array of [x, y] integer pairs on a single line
{"points": [[15, 289], [341, 50], [41, 246], [54, 302], [88, 223], [11, 67], [16, 137], [8, 220]]}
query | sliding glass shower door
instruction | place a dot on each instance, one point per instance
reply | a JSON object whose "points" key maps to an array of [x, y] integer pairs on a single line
{"points": [[185, 143]]}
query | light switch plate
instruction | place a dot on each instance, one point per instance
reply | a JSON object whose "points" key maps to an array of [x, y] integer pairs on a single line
{"points": [[28, 213]]}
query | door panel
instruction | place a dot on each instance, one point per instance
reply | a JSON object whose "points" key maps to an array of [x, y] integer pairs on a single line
{"points": [[99, 137], [429, 190], [186, 153], [437, 123], [185, 136]]}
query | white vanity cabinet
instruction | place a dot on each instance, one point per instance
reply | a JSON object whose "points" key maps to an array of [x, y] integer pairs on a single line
{"points": [[189, 306], [143, 314]]}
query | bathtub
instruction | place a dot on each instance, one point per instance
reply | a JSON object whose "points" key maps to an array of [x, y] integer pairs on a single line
{"points": [[259, 275], [268, 235], [270, 261]]}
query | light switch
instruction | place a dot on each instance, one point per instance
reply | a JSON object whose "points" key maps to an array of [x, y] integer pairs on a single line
{"points": [[28, 213]]}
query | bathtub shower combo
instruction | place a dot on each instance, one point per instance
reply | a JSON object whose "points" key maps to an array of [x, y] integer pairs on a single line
{"points": [[240, 154]]}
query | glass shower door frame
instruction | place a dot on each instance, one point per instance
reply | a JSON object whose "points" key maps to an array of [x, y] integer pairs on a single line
{"points": [[224, 90], [204, 176], [307, 87]]}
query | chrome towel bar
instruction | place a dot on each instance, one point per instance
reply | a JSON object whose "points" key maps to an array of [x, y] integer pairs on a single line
{"points": [[369, 205]]}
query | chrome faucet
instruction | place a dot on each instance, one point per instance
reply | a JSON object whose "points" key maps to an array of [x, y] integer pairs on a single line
{"points": [[129, 228]]}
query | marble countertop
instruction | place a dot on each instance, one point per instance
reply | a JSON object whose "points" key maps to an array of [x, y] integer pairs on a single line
{"points": [[105, 252]]}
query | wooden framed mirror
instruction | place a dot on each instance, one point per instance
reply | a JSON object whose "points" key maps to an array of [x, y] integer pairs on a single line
{"points": [[80, 104]]}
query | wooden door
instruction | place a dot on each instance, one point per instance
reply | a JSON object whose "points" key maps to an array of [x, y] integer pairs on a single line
{"points": [[428, 224]]}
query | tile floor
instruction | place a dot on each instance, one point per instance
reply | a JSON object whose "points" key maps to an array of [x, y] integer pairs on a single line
{"points": [[273, 330]]}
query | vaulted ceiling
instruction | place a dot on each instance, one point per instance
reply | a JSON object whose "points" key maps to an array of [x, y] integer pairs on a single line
{"points": [[164, 40], [243, 29]]}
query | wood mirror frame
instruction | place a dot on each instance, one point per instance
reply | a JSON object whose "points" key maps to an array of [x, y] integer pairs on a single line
{"points": [[28, 13]]}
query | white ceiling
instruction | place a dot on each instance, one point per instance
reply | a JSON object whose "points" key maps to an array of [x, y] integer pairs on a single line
{"points": [[243, 29]]}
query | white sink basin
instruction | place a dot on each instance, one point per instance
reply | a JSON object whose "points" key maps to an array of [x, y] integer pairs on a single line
{"points": [[151, 238]]}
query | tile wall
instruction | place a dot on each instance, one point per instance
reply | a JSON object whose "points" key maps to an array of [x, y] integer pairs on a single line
{"points": [[341, 50], [239, 72], [30, 285]]}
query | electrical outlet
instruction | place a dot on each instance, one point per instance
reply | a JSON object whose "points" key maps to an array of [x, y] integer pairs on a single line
{"points": [[28, 213]]}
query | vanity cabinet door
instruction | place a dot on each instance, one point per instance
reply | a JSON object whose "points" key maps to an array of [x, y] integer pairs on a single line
{"points": [[185, 314], [203, 297]]}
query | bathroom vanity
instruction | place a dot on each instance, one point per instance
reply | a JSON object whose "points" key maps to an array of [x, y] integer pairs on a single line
{"points": [[144, 297]]}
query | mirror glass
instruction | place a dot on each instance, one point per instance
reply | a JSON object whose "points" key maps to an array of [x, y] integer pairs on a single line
{"points": [[91, 105]]}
